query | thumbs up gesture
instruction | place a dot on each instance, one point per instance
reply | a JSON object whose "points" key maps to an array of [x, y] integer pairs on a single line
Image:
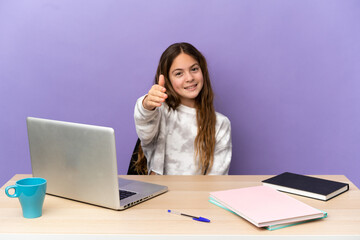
{"points": [[156, 95]]}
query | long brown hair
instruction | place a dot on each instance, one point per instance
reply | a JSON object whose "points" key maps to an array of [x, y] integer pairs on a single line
{"points": [[205, 114]]}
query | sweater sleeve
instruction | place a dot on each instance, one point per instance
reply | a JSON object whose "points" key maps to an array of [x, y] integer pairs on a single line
{"points": [[223, 149], [148, 128], [146, 122]]}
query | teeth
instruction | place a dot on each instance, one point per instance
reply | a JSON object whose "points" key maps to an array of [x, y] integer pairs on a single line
{"points": [[193, 86]]}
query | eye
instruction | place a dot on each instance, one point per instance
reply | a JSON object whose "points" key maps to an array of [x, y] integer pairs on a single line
{"points": [[195, 69], [178, 74]]}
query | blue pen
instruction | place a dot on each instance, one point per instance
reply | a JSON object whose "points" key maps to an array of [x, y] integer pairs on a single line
{"points": [[200, 219]]}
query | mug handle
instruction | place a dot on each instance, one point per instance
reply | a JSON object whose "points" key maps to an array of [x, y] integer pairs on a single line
{"points": [[10, 187]]}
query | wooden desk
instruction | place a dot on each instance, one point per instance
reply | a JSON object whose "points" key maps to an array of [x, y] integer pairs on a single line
{"points": [[189, 194]]}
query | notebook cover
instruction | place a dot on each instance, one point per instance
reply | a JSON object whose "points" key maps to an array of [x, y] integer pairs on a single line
{"points": [[264, 206], [305, 183], [271, 227]]}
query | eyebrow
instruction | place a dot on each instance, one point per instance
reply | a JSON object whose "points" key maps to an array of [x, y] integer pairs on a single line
{"points": [[189, 67]]}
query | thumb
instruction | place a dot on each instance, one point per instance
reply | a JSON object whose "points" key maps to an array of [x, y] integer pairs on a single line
{"points": [[162, 80]]}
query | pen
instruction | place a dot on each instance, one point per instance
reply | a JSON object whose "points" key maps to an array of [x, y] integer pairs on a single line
{"points": [[200, 219]]}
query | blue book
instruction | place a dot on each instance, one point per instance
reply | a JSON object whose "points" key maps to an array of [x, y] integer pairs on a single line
{"points": [[306, 186]]}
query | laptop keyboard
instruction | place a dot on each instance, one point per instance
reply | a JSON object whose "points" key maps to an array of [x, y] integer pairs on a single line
{"points": [[125, 194]]}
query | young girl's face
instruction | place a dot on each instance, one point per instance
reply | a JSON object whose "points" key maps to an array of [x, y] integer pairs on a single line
{"points": [[186, 78]]}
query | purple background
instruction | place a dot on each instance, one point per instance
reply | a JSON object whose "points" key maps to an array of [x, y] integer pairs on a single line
{"points": [[286, 73]]}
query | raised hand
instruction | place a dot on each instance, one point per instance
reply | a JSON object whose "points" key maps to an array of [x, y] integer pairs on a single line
{"points": [[156, 95]]}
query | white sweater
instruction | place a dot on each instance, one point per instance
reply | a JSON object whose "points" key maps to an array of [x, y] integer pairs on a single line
{"points": [[167, 139]]}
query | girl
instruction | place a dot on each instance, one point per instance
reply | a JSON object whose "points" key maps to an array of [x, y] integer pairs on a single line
{"points": [[180, 132]]}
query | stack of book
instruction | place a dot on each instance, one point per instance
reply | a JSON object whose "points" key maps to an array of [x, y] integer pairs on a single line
{"points": [[264, 206]]}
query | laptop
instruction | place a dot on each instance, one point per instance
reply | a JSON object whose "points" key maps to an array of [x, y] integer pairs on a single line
{"points": [[79, 163]]}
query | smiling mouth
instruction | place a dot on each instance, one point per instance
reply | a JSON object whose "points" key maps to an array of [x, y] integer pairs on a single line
{"points": [[192, 87]]}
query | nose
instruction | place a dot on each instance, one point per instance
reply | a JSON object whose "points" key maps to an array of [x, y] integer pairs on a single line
{"points": [[189, 77]]}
